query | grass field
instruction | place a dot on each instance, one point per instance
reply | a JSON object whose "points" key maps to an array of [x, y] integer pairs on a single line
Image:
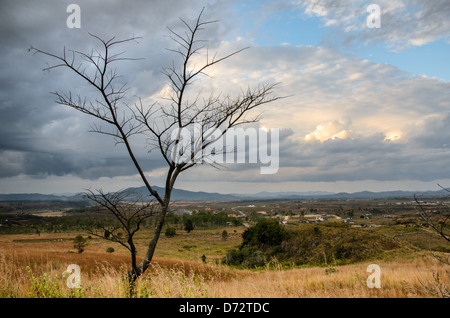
{"points": [[33, 266]]}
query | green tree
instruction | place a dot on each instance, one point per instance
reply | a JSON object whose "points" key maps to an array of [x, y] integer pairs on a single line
{"points": [[224, 235], [265, 233], [79, 242], [189, 225]]}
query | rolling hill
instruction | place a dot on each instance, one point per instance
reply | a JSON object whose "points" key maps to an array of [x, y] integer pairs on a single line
{"points": [[200, 196]]}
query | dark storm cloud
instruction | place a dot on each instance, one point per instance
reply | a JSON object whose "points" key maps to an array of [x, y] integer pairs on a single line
{"points": [[40, 138], [42, 164]]}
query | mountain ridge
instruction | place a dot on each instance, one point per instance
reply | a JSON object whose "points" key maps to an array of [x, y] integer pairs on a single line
{"points": [[201, 196]]}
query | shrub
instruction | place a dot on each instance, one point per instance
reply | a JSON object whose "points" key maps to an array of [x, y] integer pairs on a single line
{"points": [[224, 235], [307, 244], [170, 232], [79, 242], [265, 233], [333, 243], [110, 250], [249, 257], [260, 242], [189, 225]]}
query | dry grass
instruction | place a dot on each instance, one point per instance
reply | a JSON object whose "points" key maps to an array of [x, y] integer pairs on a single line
{"points": [[32, 266], [400, 279], [35, 270]]}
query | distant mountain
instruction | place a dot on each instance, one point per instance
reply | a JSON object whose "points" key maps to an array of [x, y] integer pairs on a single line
{"points": [[388, 195], [342, 195], [283, 195], [33, 197], [185, 195]]}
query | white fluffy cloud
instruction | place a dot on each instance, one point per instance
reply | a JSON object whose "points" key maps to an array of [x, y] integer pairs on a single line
{"points": [[345, 118], [326, 88], [338, 129]]}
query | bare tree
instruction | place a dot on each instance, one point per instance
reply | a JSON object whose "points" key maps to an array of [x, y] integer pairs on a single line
{"points": [[129, 210], [438, 222], [162, 123], [437, 286]]}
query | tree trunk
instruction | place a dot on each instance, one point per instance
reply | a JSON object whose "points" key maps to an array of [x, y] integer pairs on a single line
{"points": [[138, 270]]}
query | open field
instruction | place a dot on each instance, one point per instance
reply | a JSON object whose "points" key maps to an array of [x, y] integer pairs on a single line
{"points": [[32, 266], [36, 249]]}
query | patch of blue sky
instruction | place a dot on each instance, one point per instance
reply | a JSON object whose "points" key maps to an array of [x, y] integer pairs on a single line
{"points": [[290, 28], [268, 23], [431, 60]]}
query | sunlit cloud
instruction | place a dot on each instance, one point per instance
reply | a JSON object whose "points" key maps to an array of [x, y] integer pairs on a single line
{"points": [[393, 136], [339, 129]]}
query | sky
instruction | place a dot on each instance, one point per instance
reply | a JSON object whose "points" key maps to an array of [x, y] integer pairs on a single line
{"points": [[365, 108]]}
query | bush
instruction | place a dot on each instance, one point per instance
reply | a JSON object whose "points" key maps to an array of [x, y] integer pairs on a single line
{"points": [[249, 257], [255, 259], [264, 234], [224, 235], [260, 242], [110, 250], [335, 244], [189, 225], [79, 242], [170, 232], [307, 244]]}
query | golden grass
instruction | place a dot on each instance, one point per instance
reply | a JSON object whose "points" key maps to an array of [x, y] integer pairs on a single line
{"points": [[36, 269], [399, 279]]}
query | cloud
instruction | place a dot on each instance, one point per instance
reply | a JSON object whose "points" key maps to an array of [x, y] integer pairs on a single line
{"points": [[372, 102], [361, 120], [404, 23], [432, 133], [338, 129], [365, 121], [41, 138], [359, 159], [324, 85]]}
